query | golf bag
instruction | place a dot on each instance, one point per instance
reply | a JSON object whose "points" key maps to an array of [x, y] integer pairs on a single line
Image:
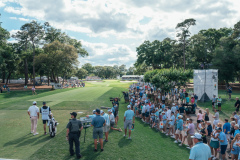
{"points": [[52, 126]]}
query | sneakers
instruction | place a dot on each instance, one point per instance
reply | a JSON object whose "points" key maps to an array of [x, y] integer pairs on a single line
{"points": [[35, 133], [101, 150], [188, 148], [179, 141], [124, 135], [180, 144], [214, 158], [31, 131], [95, 150], [129, 138], [45, 133], [106, 140], [175, 141], [167, 134]]}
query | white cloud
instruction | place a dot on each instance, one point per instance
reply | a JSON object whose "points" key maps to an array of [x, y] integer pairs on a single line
{"points": [[12, 32], [2, 4]]}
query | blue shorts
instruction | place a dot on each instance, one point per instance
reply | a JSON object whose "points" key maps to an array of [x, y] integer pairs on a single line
{"points": [[223, 149], [147, 114], [235, 151]]}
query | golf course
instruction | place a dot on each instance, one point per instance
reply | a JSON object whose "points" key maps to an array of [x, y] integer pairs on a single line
{"points": [[16, 141]]}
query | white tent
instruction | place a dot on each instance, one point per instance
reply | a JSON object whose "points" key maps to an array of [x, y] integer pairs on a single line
{"points": [[206, 84]]}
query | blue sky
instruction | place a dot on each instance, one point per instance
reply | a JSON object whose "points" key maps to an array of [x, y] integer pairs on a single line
{"points": [[110, 30]]}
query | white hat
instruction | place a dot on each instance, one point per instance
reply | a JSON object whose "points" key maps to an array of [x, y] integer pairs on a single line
{"points": [[128, 106], [94, 111], [180, 116], [109, 110], [187, 119], [236, 125], [101, 111], [34, 102], [173, 104], [197, 136], [163, 112]]}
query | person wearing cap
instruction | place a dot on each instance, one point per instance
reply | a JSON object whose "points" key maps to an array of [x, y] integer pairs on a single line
{"points": [[112, 121], [74, 128], [179, 130], [200, 151], [190, 132], [45, 111], [237, 104], [164, 119], [209, 131], [185, 127], [216, 118], [171, 123], [223, 141], [173, 109], [214, 144], [33, 112], [106, 128], [98, 122], [129, 119], [236, 127], [93, 115]]}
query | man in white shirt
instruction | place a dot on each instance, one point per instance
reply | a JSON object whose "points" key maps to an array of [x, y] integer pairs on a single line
{"points": [[33, 112], [112, 121], [173, 109]]}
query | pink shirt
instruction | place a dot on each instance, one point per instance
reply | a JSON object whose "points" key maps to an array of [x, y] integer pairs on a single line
{"points": [[200, 116]]}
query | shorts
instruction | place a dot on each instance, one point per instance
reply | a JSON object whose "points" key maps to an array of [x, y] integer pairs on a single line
{"points": [[156, 120], [208, 139], [163, 101], [112, 124], [128, 124], [219, 104], [147, 114], [97, 132], [178, 131], [106, 128], [143, 114], [235, 151], [198, 121], [213, 103], [237, 109], [139, 111], [215, 122], [189, 139], [223, 149], [45, 121], [214, 144]]}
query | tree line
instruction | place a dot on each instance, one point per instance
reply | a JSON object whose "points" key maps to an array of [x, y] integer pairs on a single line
{"points": [[211, 48], [40, 50]]}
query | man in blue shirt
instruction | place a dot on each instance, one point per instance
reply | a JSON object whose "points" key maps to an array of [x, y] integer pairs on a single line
{"points": [[93, 115], [147, 109], [223, 141], [179, 129], [226, 128], [200, 151], [98, 122], [171, 123], [129, 119], [164, 119]]}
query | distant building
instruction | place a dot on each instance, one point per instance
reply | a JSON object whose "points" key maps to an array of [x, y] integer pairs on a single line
{"points": [[133, 77], [93, 78]]}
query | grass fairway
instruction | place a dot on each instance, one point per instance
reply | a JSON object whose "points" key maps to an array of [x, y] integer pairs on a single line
{"points": [[16, 142]]}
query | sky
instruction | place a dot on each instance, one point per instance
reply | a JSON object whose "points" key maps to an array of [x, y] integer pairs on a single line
{"points": [[110, 30]]}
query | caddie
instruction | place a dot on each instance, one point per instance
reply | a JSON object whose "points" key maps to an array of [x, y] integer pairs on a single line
{"points": [[45, 111]]}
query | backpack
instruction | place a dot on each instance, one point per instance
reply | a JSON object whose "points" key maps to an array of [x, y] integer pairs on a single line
{"points": [[74, 126]]}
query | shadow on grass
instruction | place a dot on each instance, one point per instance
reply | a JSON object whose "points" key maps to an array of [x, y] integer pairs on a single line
{"points": [[124, 142]]}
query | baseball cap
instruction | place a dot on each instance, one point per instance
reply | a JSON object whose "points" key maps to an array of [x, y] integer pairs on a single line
{"points": [[74, 114], [34, 102], [197, 136], [163, 112], [187, 119], [98, 110], [173, 104], [101, 111], [109, 110], [43, 103], [236, 125], [180, 116], [128, 106], [219, 128], [94, 111]]}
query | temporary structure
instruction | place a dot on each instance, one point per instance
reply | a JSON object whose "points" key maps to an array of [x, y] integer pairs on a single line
{"points": [[206, 84]]}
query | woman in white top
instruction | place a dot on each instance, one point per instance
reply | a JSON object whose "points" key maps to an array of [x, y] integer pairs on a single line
{"points": [[214, 144], [235, 147], [199, 119], [185, 128]]}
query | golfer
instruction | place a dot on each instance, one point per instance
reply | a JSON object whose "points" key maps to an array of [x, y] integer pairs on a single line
{"points": [[33, 112], [98, 122], [74, 128], [129, 119], [45, 111]]}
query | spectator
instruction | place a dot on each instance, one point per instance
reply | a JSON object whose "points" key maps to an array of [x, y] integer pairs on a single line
{"points": [[106, 128], [185, 127], [206, 115], [164, 119], [204, 132], [214, 144], [112, 121], [223, 142], [232, 130], [200, 151], [173, 109], [209, 131], [199, 117], [226, 129], [230, 91], [237, 104], [187, 100], [129, 119], [195, 98], [179, 129], [216, 118], [236, 117], [219, 103], [143, 112], [171, 123], [190, 132], [235, 147], [236, 127], [192, 100], [182, 111], [213, 102]]}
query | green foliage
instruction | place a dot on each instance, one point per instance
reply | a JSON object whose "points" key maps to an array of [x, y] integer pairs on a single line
{"points": [[168, 78]]}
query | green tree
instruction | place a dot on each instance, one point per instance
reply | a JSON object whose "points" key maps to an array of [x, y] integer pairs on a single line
{"points": [[88, 67], [81, 73], [184, 34]]}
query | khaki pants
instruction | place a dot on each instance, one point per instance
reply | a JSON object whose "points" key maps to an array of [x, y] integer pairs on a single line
{"points": [[189, 139], [34, 124]]}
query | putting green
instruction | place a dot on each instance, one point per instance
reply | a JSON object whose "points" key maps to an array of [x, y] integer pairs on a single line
{"points": [[78, 94]]}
